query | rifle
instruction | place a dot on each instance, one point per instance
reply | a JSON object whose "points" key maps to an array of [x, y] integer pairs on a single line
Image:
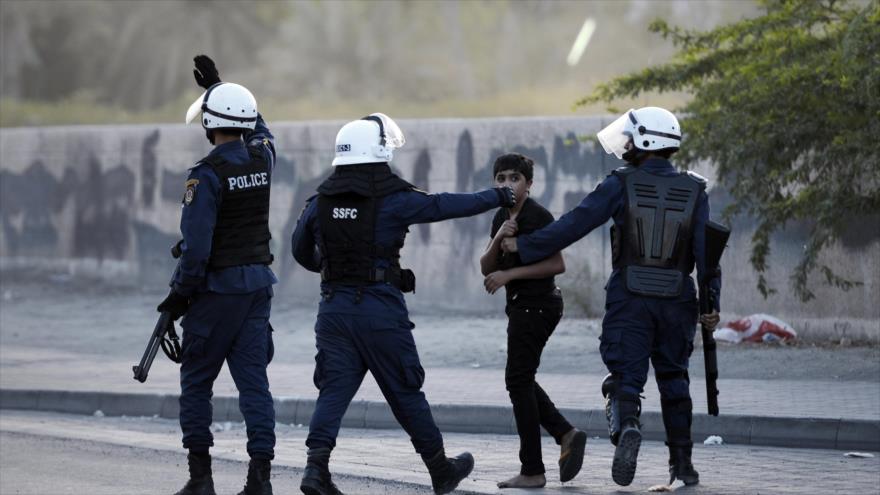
{"points": [[716, 240], [163, 336]]}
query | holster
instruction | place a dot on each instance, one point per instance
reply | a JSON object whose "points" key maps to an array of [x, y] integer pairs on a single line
{"points": [[407, 280]]}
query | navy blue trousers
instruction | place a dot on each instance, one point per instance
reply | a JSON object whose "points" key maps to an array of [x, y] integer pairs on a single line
{"points": [[233, 328], [642, 329], [348, 347]]}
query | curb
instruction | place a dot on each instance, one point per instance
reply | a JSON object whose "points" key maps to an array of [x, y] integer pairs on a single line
{"points": [[819, 433]]}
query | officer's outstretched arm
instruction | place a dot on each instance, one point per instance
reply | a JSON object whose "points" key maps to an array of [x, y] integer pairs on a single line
{"points": [[263, 140], [197, 220], [594, 210], [206, 75], [418, 207], [302, 244]]}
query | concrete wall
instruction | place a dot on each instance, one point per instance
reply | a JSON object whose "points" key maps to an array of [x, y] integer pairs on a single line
{"points": [[106, 199]]}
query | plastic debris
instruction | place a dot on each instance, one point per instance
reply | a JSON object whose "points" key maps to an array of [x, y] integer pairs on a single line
{"points": [[859, 455], [755, 328], [98, 414], [475, 365], [224, 426], [713, 440], [660, 488]]}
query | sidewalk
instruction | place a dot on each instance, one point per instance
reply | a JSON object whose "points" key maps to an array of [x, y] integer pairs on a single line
{"points": [[844, 415]]}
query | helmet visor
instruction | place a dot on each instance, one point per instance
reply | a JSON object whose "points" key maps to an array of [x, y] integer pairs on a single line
{"points": [[393, 135], [195, 109], [615, 137]]}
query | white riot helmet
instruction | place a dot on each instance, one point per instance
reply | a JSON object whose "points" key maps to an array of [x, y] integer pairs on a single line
{"points": [[225, 105], [648, 129], [368, 140]]}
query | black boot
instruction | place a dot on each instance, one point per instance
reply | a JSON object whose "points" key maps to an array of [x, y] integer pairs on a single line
{"points": [[446, 473], [609, 388], [258, 478], [623, 468], [677, 418], [680, 466], [316, 477], [200, 481]]}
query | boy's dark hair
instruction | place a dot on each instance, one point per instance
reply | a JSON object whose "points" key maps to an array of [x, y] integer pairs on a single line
{"points": [[517, 162]]}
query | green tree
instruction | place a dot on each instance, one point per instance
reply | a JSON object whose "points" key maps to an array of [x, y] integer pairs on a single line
{"points": [[787, 105]]}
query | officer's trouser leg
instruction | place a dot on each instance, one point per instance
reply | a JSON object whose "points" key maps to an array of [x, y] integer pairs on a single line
{"points": [[673, 344], [391, 356], [339, 371], [209, 328], [627, 333], [248, 358], [626, 341]]}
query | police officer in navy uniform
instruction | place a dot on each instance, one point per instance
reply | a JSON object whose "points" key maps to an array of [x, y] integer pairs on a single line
{"points": [[223, 283], [658, 237], [351, 233]]}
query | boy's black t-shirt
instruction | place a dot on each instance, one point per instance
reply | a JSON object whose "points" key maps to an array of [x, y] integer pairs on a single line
{"points": [[542, 291]]}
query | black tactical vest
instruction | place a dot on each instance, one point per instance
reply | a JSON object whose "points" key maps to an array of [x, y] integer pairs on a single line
{"points": [[348, 204], [241, 234], [654, 249]]}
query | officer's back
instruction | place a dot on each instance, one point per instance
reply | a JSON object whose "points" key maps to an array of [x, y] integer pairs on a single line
{"points": [[353, 230], [198, 270]]}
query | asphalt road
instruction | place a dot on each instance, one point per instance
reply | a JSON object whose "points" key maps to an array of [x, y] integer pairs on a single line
{"points": [[49, 454], [43, 465]]}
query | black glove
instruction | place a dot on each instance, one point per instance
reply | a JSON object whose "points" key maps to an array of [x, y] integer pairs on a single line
{"points": [[176, 304], [506, 196], [205, 72]]}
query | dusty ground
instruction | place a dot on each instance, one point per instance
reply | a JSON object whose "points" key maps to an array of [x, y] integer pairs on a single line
{"points": [[59, 312]]}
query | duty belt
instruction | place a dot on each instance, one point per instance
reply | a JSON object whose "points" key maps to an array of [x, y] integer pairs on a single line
{"points": [[393, 276]]}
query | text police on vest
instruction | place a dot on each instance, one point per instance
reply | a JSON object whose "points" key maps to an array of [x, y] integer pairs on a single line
{"points": [[345, 213], [246, 181]]}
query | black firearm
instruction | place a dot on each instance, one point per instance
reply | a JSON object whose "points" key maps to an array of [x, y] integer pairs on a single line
{"points": [[163, 336], [716, 241]]}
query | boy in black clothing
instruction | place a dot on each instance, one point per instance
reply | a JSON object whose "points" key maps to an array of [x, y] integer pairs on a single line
{"points": [[534, 308]]}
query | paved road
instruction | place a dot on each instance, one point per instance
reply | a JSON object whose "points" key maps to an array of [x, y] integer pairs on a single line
{"points": [[45, 465], [48, 454]]}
